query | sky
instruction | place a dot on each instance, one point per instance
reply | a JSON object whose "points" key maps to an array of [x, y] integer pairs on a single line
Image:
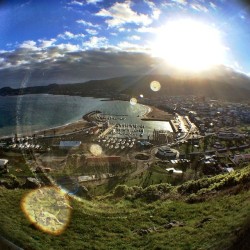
{"points": [[67, 41]]}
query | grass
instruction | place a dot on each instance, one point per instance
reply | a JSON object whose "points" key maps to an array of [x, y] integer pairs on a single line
{"points": [[112, 223]]}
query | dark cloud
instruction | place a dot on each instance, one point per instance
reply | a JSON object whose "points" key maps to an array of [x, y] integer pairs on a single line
{"points": [[55, 65]]}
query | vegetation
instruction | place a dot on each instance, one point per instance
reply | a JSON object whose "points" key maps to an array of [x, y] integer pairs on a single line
{"points": [[155, 217]]}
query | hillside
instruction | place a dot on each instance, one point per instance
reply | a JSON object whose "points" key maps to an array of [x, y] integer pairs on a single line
{"points": [[227, 86], [210, 213]]}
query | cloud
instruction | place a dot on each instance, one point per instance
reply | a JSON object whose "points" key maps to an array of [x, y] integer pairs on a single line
{"points": [[91, 32], [46, 43], [83, 22], [121, 13], [93, 1], [131, 47], [135, 38], [69, 35], [96, 42], [199, 7], [75, 2], [67, 47], [155, 11], [29, 45], [213, 5], [61, 66], [147, 30], [182, 2]]}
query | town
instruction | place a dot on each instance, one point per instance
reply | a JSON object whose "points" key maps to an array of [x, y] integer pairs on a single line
{"points": [[208, 137]]}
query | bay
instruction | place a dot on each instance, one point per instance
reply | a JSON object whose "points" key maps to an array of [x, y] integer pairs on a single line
{"points": [[29, 113]]}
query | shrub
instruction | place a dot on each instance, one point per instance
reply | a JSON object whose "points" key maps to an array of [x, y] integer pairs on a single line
{"points": [[121, 191]]}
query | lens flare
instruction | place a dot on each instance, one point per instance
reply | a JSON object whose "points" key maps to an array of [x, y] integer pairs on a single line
{"points": [[155, 86], [48, 209], [141, 95], [95, 149], [133, 101]]}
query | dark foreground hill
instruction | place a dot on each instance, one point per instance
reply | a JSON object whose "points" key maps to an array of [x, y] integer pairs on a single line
{"points": [[230, 86]]}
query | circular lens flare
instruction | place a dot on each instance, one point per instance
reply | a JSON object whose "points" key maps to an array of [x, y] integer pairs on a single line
{"points": [[95, 149], [133, 101], [155, 86], [48, 209]]}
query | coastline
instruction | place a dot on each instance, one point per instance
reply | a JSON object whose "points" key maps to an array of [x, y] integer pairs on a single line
{"points": [[152, 114], [156, 114], [70, 127]]}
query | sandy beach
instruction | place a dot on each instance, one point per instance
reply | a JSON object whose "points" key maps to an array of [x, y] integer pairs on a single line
{"points": [[64, 129], [156, 114]]}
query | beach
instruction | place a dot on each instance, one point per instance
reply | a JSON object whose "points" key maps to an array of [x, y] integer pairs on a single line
{"points": [[156, 114], [76, 126]]}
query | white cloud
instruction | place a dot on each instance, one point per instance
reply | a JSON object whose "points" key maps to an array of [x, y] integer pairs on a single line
{"points": [[135, 38], [236, 65], [212, 5], [147, 30], [199, 7], [91, 32], [29, 45], [155, 11], [93, 1], [156, 14], [69, 35], [131, 47], [121, 13], [75, 2], [68, 47], [83, 22], [182, 2], [122, 29], [46, 43], [96, 42]]}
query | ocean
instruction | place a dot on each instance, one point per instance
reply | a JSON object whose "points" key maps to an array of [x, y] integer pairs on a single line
{"points": [[29, 113]]}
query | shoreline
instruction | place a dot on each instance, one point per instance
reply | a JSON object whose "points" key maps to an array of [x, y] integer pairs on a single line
{"points": [[152, 114], [38, 133], [156, 114]]}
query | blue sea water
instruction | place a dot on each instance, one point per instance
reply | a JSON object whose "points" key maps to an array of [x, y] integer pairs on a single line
{"points": [[29, 113]]}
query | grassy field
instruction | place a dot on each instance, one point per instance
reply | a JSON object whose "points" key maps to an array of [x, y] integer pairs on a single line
{"points": [[111, 222]]}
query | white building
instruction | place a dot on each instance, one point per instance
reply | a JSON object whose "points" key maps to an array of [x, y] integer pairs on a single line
{"points": [[69, 144]]}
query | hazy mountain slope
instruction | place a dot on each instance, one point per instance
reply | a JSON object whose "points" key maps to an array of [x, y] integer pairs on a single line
{"points": [[227, 85]]}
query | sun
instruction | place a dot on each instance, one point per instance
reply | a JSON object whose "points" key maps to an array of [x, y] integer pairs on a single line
{"points": [[189, 45]]}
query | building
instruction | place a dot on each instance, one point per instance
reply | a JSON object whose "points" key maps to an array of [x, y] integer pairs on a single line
{"points": [[166, 153], [69, 144], [173, 170], [160, 136], [241, 158]]}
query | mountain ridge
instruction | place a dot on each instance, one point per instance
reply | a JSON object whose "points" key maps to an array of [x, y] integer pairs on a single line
{"points": [[230, 87]]}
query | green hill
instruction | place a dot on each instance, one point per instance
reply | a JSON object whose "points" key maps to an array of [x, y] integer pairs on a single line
{"points": [[210, 213]]}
